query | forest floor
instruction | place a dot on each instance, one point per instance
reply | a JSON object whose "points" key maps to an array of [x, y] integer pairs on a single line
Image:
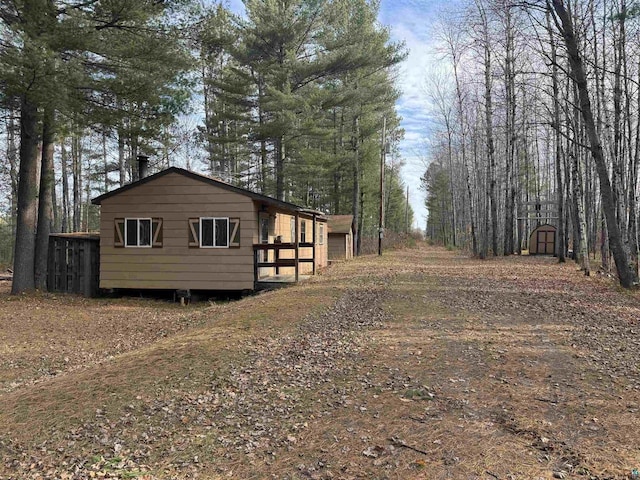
{"points": [[420, 364]]}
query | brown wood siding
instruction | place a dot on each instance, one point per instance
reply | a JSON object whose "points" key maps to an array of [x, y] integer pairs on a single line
{"points": [[176, 198], [337, 246]]}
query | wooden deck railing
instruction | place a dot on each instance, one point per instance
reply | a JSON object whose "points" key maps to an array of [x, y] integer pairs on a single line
{"points": [[278, 262]]}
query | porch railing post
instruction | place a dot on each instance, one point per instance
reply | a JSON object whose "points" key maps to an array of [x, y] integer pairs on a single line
{"points": [[313, 246], [297, 249]]}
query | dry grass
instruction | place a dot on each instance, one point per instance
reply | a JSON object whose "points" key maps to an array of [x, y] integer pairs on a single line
{"points": [[513, 368]]}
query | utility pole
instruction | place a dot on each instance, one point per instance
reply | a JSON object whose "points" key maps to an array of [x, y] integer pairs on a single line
{"points": [[382, 162]]}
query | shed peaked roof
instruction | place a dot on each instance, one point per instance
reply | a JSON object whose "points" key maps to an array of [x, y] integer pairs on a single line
{"points": [[211, 181], [340, 223]]}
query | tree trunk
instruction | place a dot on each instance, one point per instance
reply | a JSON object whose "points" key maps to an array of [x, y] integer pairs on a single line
{"points": [[510, 136], [625, 273], [122, 165], [65, 188], [463, 151], [24, 256], [581, 221], [105, 162], [76, 169], [355, 207], [45, 203], [280, 155], [452, 191], [361, 216], [12, 157], [488, 110], [558, 144]]}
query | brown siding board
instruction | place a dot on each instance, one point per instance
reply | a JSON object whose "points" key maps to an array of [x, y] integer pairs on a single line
{"points": [[165, 210], [194, 189], [166, 199], [176, 260], [199, 253], [174, 284], [179, 276], [153, 268]]}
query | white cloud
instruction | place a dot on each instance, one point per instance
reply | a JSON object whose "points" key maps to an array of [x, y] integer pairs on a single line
{"points": [[410, 22]]}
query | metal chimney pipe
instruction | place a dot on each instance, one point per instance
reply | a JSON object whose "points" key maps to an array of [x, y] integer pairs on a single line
{"points": [[143, 166]]}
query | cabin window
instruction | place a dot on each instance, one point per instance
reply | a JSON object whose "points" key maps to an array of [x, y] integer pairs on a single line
{"points": [[303, 231], [214, 232], [137, 232], [321, 234], [293, 230]]}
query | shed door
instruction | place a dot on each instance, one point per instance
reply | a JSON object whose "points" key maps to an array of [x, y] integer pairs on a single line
{"points": [[546, 242]]}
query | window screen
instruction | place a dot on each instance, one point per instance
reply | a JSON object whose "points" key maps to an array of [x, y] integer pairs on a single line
{"points": [[214, 232], [221, 232]]}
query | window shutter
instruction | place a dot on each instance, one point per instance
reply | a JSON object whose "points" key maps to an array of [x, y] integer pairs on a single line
{"points": [[234, 232], [156, 232], [194, 232], [118, 232]]}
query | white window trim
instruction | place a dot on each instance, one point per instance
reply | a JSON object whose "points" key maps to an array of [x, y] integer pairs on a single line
{"points": [[214, 232], [126, 222], [321, 234]]}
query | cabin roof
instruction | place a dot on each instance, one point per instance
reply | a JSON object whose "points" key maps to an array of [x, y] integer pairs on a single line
{"points": [[212, 181], [339, 223]]}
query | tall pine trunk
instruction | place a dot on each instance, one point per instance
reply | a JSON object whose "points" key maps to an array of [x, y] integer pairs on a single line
{"points": [[24, 256], [12, 157], [65, 224], [76, 169], [122, 164], [45, 200], [280, 155], [355, 206]]}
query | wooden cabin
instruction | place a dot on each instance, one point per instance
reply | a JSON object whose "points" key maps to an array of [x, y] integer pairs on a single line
{"points": [[184, 231], [543, 240], [340, 237]]}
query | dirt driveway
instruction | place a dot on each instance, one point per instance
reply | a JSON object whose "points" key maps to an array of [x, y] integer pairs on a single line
{"points": [[419, 364]]}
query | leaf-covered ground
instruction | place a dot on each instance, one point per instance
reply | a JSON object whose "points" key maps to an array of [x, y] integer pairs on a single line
{"points": [[419, 364]]}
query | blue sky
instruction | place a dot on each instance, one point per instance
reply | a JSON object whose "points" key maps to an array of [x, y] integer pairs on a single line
{"points": [[409, 21]]}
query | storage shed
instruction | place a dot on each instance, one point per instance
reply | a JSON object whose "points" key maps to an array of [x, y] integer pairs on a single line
{"points": [[543, 240], [73, 263], [340, 237], [184, 231]]}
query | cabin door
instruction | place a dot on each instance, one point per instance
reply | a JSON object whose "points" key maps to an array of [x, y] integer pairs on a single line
{"points": [[546, 243]]}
